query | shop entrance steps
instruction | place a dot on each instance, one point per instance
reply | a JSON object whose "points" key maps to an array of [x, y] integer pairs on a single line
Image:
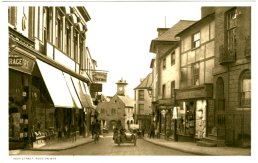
{"points": [[210, 141]]}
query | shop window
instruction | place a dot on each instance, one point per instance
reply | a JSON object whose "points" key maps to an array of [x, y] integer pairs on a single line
{"points": [[141, 95], [245, 89], [196, 40], [186, 118], [231, 17]]}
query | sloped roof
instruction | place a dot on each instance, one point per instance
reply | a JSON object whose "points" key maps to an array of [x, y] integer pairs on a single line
{"points": [[146, 83], [127, 101], [170, 34]]}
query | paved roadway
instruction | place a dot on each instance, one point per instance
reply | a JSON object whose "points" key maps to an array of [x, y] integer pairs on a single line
{"points": [[106, 147]]}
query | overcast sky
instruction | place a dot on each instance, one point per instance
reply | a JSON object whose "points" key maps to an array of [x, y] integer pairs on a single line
{"points": [[119, 36]]}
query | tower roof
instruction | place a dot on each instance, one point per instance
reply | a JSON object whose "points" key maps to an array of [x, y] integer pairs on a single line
{"points": [[121, 81]]}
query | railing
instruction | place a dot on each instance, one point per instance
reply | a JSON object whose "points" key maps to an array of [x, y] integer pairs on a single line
{"points": [[226, 55]]}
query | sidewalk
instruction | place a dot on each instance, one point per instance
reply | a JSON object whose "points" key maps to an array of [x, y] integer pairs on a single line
{"points": [[191, 147], [57, 146]]}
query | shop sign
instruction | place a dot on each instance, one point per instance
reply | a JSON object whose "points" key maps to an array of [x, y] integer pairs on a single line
{"points": [[99, 76], [21, 63], [202, 92], [95, 87]]}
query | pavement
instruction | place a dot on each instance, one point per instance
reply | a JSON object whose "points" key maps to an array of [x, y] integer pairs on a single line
{"points": [[188, 147]]}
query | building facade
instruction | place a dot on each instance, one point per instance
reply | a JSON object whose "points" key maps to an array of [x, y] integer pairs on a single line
{"points": [[167, 61], [120, 107], [48, 82], [143, 110], [213, 98], [196, 77], [232, 75]]}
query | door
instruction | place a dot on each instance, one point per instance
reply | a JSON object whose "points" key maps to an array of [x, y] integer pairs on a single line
{"points": [[220, 119]]}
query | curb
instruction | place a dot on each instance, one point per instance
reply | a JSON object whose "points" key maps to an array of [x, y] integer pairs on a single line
{"points": [[181, 150], [60, 149]]}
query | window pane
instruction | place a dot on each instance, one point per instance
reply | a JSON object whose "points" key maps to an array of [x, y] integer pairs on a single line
{"points": [[246, 85]]}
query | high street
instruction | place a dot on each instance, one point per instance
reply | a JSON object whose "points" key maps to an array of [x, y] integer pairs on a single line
{"points": [[106, 147]]}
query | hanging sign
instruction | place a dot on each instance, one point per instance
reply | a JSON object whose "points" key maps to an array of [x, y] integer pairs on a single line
{"points": [[99, 76]]}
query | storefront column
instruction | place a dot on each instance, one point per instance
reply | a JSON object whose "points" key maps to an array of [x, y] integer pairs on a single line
{"points": [[29, 111]]}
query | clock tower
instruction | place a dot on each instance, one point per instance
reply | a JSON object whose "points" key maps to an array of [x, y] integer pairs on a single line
{"points": [[121, 87]]}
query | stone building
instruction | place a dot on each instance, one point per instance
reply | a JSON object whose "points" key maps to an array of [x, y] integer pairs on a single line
{"points": [[48, 83], [119, 107]]}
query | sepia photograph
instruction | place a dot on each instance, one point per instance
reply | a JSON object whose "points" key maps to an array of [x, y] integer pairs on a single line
{"points": [[127, 78]]}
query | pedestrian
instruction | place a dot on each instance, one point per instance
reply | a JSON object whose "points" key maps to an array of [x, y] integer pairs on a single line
{"points": [[143, 130], [92, 132], [96, 130], [152, 130]]}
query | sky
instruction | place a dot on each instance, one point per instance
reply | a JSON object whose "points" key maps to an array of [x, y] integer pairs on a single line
{"points": [[119, 36]]}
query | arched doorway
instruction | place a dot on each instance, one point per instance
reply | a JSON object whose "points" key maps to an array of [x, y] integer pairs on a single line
{"points": [[112, 125], [220, 109]]}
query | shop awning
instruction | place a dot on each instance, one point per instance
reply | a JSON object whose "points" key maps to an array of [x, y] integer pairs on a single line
{"points": [[72, 90], [83, 96], [87, 93], [56, 85]]}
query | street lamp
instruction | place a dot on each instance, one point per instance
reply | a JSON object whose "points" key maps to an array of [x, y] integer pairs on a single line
{"points": [[149, 91]]}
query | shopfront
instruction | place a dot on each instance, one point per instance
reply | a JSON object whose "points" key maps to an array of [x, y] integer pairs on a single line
{"points": [[144, 122], [165, 127], [70, 98], [21, 64], [191, 112]]}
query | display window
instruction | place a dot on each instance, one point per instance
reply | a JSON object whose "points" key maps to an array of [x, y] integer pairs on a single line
{"points": [[201, 118], [186, 118], [18, 105], [192, 118]]}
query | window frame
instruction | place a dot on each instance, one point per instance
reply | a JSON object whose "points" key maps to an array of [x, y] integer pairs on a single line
{"points": [[173, 57], [196, 42], [68, 32], [196, 73], [141, 95], [59, 29], [231, 25], [245, 102], [164, 63], [163, 91], [140, 108]]}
